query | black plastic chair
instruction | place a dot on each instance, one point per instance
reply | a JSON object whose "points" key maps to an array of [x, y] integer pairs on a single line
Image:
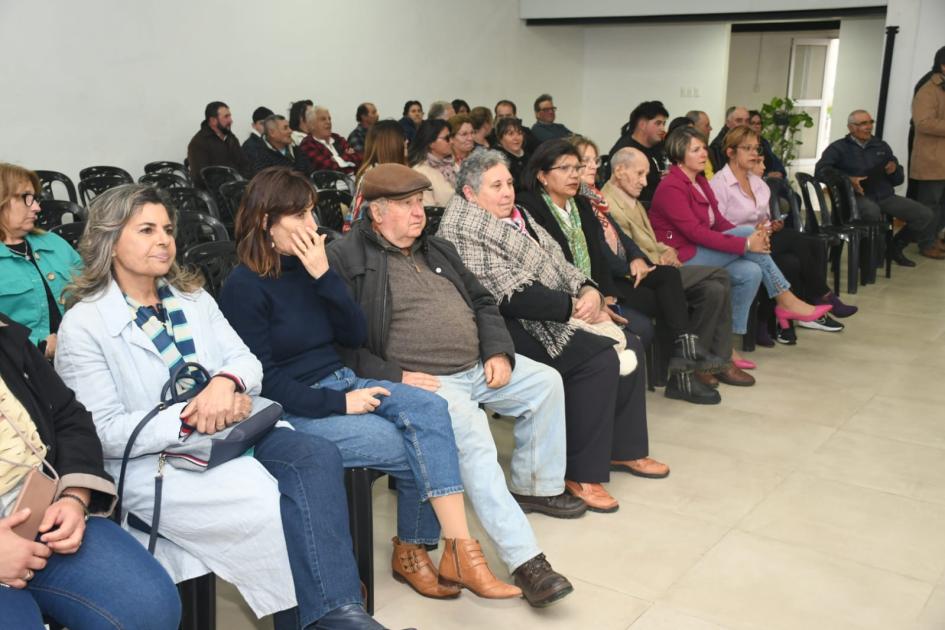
{"points": [[70, 232], [332, 180], [110, 171], [213, 178], [232, 193], [358, 483], [190, 200], [194, 228], [91, 188], [331, 209], [172, 168], [164, 180], [53, 212], [434, 216], [48, 178], [603, 171], [832, 234], [215, 260]]}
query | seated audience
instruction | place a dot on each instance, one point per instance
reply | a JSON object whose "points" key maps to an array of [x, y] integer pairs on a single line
{"points": [[545, 127], [460, 106], [676, 123], [541, 295], [35, 265], [874, 172], [773, 167], [298, 120], [215, 145], [481, 119], [927, 163], [431, 155], [440, 110], [707, 289], [277, 148], [255, 139], [507, 109], [327, 151], [700, 120], [114, 581], [413, 116], [274, 524], [462, 137], [735, 116], [510, 140], [602, 252], [439, 329], [645, 132], [366, 115], [685, 215], [385, 144], [290, 308], [743, 199]]}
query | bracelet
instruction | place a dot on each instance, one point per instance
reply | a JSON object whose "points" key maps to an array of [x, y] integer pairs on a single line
{"points": [[85, 507]]}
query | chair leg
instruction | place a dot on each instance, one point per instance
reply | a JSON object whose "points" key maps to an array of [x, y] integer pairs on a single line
{"points": [[853, 261], [198, 599], [358, 482], [886, 253], [650, 368], [748, 339]]}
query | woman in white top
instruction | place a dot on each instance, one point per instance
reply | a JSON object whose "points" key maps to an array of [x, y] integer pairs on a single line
{"points": [[431, 153]]}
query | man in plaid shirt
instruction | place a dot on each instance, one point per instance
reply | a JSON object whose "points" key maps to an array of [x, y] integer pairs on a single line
{"points": [[327, 151], [366, 116]]}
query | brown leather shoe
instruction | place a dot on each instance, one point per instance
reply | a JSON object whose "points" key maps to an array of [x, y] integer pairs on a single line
{"points": [[933, 252], [411, 565], [463, 564], [736, 376], [594, 494], [707, 378], [644, 467]]}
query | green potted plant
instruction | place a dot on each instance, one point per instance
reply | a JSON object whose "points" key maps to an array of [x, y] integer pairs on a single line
{"points": [[782, 125]]}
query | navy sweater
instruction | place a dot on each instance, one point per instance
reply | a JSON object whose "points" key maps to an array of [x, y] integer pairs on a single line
{"points": [[291, 324]]}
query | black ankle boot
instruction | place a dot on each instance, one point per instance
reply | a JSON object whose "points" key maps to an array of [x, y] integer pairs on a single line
{"points": [[686, 353], [684, 386]]}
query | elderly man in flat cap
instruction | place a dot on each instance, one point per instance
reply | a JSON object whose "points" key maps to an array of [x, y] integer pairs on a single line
{"points": [[432, 325]]}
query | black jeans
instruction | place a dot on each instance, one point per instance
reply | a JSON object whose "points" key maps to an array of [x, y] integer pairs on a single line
{"points": [[803, 261]]}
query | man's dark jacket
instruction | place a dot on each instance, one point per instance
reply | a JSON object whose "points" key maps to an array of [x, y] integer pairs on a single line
{"points": [[207, 149], [848, 157], [360, 258]]}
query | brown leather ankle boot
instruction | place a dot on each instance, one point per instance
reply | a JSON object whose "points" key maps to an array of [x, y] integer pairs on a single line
{"points": [[412, 565], [463, 564]]}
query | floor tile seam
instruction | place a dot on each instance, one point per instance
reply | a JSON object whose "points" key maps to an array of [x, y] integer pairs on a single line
{"points": [[891, 439], [767, 495]]}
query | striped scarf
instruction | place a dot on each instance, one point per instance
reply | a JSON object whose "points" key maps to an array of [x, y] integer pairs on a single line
{"points": [[573, 232]]}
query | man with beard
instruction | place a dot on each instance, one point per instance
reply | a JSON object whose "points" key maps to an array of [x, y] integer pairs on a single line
{"points": [[645, 132], [215, 145]]}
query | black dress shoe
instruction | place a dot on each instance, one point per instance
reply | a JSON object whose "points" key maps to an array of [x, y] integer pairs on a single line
{"points": [[348, 617], [684, 386], [541, 585], [900, 259], [564, 505]]}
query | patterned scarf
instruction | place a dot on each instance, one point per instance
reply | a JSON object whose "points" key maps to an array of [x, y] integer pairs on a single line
{"points": [[601, 209], [446, 166], [166, 327], [506, 260], [572, 232]]}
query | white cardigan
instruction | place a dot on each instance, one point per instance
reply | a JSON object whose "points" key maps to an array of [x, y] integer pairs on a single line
{"points": [[226, 519]]}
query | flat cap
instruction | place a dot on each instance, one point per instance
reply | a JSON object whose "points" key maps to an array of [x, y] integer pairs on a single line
{"points": [[392, 181], [261, 113]]}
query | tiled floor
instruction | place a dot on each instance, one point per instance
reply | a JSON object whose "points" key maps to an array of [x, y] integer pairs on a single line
{"points": [[814, 500]]}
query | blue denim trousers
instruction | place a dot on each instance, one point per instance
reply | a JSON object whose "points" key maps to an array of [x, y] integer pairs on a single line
{"points": [[110, 583], [314, 509], [534, 396], [746, 272], [408, 435]]}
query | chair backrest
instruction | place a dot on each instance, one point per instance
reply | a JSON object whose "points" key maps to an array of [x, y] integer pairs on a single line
{"points": [[781, 191], [98, 171], [174, 168], [70, 232], [215, 260], [213, 178], [332, 207], [194, 228], [232, 193], [332, 180], [53, 212], [842, 197], [164, 180], [434, 216], [810, 185], [95, 186], [48, 178], [603, 171], [189, 200]]}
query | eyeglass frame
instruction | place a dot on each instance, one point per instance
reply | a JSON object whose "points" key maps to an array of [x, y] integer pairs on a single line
{"points": [[757, 148], [577, 169], [34, 198]]}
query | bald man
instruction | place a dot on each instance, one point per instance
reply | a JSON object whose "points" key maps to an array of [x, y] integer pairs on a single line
{"points": [[735, 116], [707, 289]]}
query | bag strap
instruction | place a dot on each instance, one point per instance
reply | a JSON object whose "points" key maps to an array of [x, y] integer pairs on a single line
{"points": [[127, 454]]}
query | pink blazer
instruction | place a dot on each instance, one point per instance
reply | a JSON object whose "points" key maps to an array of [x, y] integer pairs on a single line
{"points": [[681, 216]]}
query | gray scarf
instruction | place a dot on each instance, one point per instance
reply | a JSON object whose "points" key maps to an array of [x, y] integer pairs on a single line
{"points": [[507, 260]]}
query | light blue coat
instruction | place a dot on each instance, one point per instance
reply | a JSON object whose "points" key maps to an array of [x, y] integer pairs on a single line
{"points": [[226, 519]]}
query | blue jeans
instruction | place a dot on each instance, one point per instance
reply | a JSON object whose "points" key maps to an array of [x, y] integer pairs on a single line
{"points": [[111, 582], [746, 271], [408, 436], [314, 509], [534, 396]]}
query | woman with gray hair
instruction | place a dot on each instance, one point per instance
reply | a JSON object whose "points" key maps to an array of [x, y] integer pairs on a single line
{"points": [[539, 292], [135, 317]]}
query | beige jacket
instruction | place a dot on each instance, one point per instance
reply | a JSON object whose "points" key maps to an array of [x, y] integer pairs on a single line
{"points": [[631, 216], [442, 191], [928, 115]]}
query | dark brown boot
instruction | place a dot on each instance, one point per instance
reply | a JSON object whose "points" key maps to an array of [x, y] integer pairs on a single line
{"points": [[463, 564], [412, 565]]}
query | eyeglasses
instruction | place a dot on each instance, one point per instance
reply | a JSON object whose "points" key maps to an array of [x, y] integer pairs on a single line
{"points": [[596, 162], [548, 109], [569, 169], [28, 199], [446, 137], [863, 123], [751, 148]]}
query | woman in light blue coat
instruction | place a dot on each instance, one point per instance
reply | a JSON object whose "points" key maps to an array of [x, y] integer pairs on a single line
{"points": [[250, 520]]}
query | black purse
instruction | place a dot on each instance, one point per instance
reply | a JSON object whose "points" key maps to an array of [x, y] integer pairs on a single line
{"points": [[197, 452]]}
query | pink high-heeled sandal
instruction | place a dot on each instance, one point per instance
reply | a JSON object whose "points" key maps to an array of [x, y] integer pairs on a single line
{"points": [[784, 315]]}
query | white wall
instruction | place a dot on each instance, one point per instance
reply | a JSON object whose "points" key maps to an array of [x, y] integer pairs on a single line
{"points": [[125, 83], [615, 8], [859, 69], [627, 64]]}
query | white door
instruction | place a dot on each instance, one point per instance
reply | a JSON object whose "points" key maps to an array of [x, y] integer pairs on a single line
{"points": [[811, 78]]}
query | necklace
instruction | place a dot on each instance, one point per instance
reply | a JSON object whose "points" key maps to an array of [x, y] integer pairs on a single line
{"points": [[22, 250]]}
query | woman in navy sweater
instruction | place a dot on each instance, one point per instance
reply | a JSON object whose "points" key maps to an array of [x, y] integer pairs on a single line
{"points": [[291, 310]]}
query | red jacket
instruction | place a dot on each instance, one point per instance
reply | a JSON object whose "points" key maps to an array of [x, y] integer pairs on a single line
{"points": [[680, 217], [320, 157]]}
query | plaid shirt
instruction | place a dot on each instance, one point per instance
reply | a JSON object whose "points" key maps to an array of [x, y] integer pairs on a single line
{"points": [[321, 158], [356, 139]]}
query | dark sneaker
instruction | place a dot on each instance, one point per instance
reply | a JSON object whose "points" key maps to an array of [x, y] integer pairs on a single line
{"points": [[541, 585], [786, 336], [825, 323], [562, 505], [685, 386]]}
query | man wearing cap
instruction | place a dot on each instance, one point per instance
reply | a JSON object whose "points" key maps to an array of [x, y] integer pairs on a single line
{"points": [[431, 324], [255, 139], [215, 145]]}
